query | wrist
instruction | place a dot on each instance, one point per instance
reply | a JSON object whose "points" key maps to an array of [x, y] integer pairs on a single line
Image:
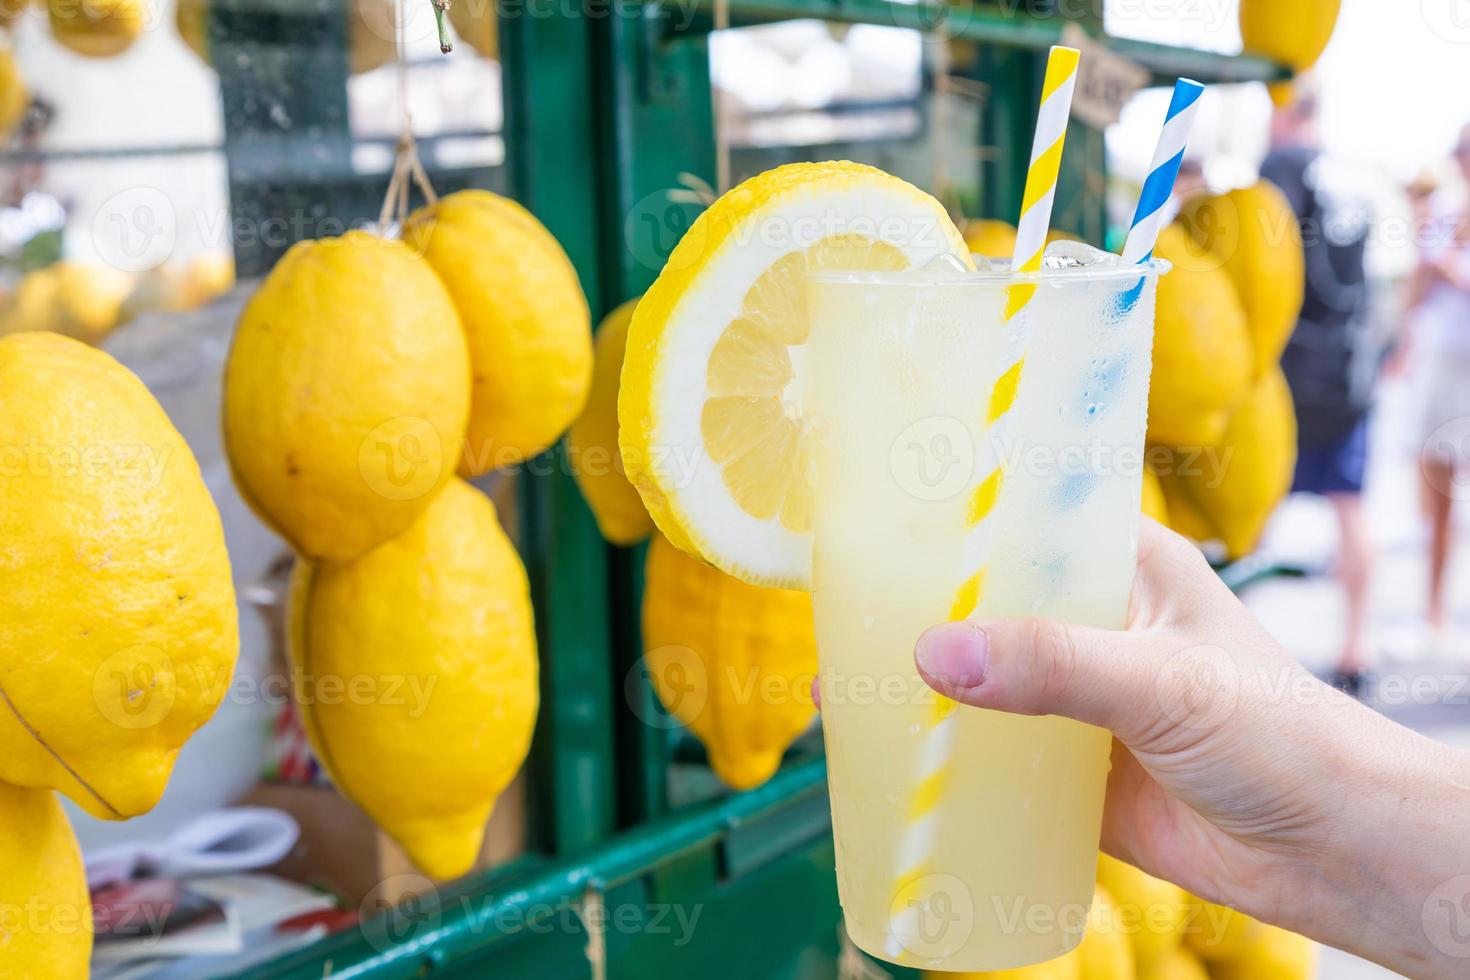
{"points": [[1394, 851]]}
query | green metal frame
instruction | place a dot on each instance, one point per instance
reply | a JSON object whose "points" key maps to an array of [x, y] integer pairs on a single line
{"points": [[606, 107], [771, 852], [551, 134], [992, 24]]}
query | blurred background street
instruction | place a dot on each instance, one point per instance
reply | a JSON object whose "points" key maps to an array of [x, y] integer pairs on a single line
{"points": [[1418, 682]]}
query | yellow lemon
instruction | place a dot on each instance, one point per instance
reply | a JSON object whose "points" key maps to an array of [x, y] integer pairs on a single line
{"points": [[1255, 233], [11, 11], [191, 20], [710, 412], [1220, 933], [415, 667], [1105, 952], [117, 612], [1275, 955], [991, 238], [592, 442], [1202, 349], [1067, 967], [1154, 504], [529, 329], [161, 288], [1184, 514], [1150, 911], [733, 662], [996, 239], [208, 275], [1282, 94], [97, 28], [345, 394], [82, 301], [175, 287], [478, 24], [89, 299], [14, 97], [1294, 32], [32, 306], [1178, 964], [372, 32], [46, 930], [1252, 468]]}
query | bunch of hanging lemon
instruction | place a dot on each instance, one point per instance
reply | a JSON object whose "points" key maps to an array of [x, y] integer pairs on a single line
{"points": [[1142, 928], [88, 301], [364, 372], [1221, 423], [85, 301], [176, 287], [733, 662], [117, 624]]}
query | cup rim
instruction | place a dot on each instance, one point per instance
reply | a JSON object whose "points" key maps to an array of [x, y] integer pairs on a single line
{"points": [[998, 274]]}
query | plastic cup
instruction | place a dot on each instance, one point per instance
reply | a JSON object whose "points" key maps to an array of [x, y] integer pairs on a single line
{"points": [[967, 839]]}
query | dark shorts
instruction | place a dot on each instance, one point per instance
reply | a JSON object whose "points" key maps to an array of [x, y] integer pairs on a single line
{"points": [[1336, 468]]}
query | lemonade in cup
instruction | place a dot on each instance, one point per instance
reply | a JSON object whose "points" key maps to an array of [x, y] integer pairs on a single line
{"points": [[966, 464]]}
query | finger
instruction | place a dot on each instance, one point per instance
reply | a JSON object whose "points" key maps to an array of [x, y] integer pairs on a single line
{"points": [[1173, 579], [817, 694], [1044, 667]]}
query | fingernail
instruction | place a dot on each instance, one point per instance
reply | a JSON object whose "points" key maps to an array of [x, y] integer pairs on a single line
{"points": [[956, 654]]}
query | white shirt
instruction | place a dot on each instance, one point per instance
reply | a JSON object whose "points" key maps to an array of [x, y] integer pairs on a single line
{"points": [[1443, 317]]}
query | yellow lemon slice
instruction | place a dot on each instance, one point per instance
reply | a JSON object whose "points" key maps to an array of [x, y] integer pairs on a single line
{"points": [[713, 429]]}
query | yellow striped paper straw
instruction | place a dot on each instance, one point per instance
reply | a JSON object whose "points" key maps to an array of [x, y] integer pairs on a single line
{"points": [[1041, 175], [1031, 231], [916, 847]]}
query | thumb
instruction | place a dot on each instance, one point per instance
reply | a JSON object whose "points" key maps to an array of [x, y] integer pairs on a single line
{"points": [[1044, 667]]}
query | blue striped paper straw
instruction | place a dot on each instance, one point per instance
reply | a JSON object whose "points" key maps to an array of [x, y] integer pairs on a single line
{"points": [[1162, 173]]}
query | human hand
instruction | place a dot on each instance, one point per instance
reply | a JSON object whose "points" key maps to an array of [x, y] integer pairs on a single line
{"points": [[1236, 774]]}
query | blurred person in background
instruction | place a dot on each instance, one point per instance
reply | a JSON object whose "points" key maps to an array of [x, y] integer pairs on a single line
{"points": [[1328, 362], [1437, 338], [1190, 183]]}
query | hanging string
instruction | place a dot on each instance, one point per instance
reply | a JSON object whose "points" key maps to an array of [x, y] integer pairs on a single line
{"points": [[390, 207], [407, 167], [949, 87], [938, 116], [400, 53]]}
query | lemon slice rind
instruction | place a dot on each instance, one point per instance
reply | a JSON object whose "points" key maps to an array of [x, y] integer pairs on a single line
{"points": [[700, 293]]}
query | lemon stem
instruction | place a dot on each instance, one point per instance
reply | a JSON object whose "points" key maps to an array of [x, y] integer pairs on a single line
{"points": [[440, 7]]}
